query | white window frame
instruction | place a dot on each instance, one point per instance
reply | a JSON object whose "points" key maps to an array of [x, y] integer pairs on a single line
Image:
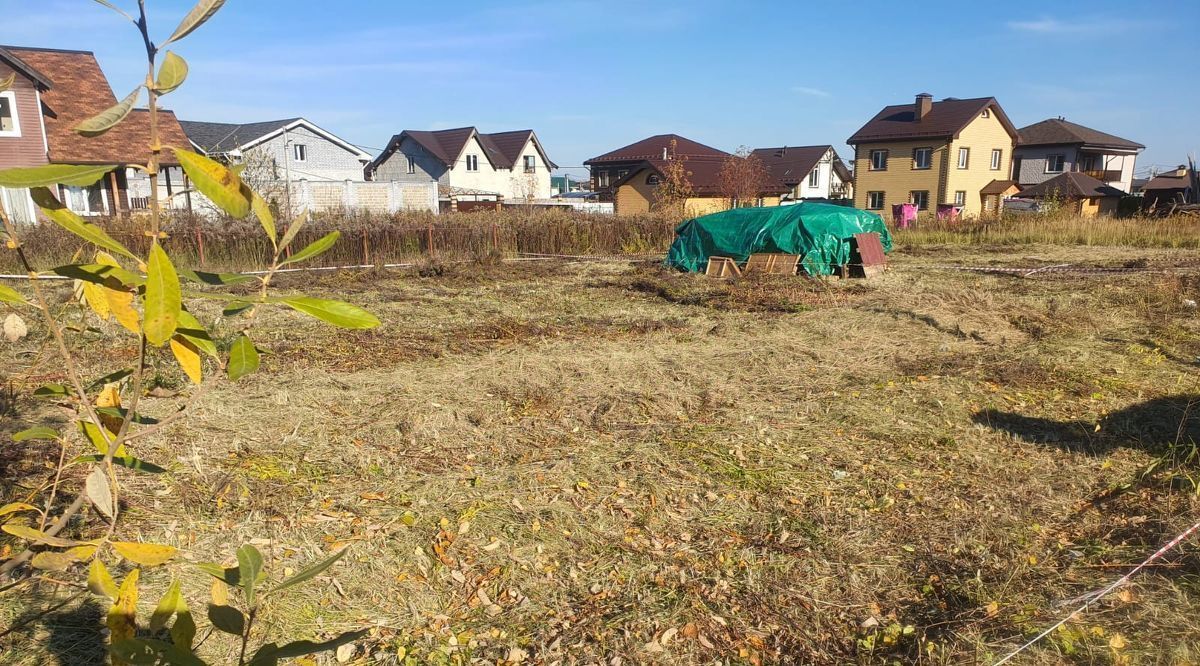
{"points": [[472, 163], [68, 200], [814, 177], [1062, 163], [882, 200], [987, 113], [602, 178], [912, 196], [299, 152], [412, 164], [916, 164], [15, 132], [530, 163], [871, 160], [997, 158], [960, 197], [964, 157]]}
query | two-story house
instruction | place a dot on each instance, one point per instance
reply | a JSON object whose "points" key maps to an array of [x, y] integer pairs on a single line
{"points": [[1056, 146], [282, 150], [811, 172], [615, 165], [929, 153], [502, 166], [53, 91]]}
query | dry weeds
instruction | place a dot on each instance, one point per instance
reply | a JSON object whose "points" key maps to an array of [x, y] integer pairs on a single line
{"points": [[580, 463]]}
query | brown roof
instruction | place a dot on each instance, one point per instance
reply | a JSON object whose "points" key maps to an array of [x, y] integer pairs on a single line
{"points": [[24, 68], [1000, 187], [703, 174], [79, 91], [791, 164], [1071, 185], [1059, 131], [945, 120], [1175, 179], [502, 149], [652, 149]]}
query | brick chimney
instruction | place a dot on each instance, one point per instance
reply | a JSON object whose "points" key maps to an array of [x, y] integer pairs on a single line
{"points": [[923, 106]]}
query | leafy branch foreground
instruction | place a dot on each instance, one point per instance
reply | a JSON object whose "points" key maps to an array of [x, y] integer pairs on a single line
{"points": [[148, 296]]}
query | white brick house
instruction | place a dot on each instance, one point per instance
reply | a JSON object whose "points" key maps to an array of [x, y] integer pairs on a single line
{"points": [[810, 172], [292, 150], [509, 166]]}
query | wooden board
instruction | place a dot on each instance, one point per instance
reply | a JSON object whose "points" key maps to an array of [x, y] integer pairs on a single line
{"points": [[722, 267], [867, 254], [773, 263]]}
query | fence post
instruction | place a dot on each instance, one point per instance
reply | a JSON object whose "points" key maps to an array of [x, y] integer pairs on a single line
{"points": [[200, 246], [429, 237], [366, 251], [496, 237]]}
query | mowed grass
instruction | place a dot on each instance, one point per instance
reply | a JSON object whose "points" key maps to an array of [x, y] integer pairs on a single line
{"points": [[611, 463]]}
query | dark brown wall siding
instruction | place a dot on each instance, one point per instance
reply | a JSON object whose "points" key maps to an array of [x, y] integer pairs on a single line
{"points": [[29, 149]]}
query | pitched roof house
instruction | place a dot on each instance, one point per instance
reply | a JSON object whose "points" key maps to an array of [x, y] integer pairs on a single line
{"points": [[931, 153], [468, 163], [1086, 195], [1171, 188], [291, 149], [630, 176], [1054, 146], [615, 165], [811, 172], [53, 91]]}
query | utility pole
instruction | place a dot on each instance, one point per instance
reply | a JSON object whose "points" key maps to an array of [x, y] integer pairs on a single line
{"points": [[287, 172]]}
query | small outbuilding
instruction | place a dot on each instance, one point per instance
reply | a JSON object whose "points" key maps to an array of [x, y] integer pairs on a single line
{"points": [[820, 234], [1088, 196]]}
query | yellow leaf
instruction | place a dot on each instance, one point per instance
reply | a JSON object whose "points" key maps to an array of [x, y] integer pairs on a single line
{"points": [[97, 300], [145, 554], [100, 582], [49, 560], [15, 507], [1117, 642], [81, 553], [991, 609], [1125, 595], [122, 617], [110, 396], [120, 303], [1033, 559], [220, 593], [37, 536], [189, 358]]}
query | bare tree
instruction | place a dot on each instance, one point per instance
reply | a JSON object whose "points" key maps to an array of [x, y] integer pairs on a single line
{"points": [[674, 187], [743, 178]]}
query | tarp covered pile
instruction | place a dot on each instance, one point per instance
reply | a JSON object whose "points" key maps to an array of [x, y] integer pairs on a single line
{"points": [[820, 233]]}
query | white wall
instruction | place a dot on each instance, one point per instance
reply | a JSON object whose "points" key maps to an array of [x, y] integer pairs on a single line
{"points": [[512, 184], [325, 159]]}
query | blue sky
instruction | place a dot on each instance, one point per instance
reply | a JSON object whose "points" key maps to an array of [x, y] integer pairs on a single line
{"points": [[593, 76]]}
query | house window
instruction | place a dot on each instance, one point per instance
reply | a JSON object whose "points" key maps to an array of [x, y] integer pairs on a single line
{"points": [[987, 113], [621, 173], [875, 200], [879, 160], [960, 198], [920, 198], [472, 163], [530, 164], [814, 177], [922, 158], [652, 179], [85, 200], [997, 156], [10, 125], [412, 164], [299, 152], [1054, 163], [1087, 163], [964, 157], [601, 179]]}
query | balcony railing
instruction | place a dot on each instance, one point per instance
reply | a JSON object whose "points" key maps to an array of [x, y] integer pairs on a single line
{"points": [[1102, 174]]}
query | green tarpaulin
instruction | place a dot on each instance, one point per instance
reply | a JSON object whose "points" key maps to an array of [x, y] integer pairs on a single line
{"points": [[819, 232]]}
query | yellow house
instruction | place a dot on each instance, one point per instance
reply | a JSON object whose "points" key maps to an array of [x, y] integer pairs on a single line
{"points": [[634, 193], [1079, 193], [930, 153]]}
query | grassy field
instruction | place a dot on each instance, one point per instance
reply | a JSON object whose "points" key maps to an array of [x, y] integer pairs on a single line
{"points": [[610, 463]]}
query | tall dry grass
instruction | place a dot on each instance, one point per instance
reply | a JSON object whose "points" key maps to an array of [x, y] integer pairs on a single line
{"points": [[1142, 232], [230, 245]]}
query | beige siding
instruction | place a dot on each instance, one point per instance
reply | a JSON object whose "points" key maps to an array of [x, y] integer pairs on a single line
{"points": [[981, 137], [635, 196], [900, 178]]}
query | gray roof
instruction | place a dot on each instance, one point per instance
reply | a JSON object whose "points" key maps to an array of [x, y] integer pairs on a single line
{"points": [[224, 137], [1059, 131]]}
